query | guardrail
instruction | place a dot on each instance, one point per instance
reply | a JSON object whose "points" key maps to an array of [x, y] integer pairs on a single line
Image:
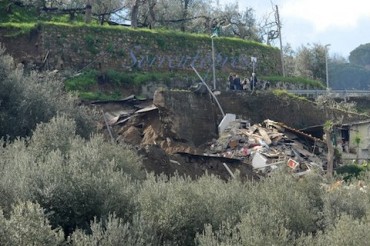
{"points": [[332, 93]]}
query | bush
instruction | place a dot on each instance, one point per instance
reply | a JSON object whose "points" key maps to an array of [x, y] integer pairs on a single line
{"points": [[350, 201], [77, 180], [15, 164], [116, 232], [73, 179], [280, 209], [27, 225], [28, 99], [346, 231], [257, 227], [350, 171], [183, 206]]}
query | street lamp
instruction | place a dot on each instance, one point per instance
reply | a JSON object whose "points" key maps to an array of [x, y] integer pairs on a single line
{"points": [[253, 60], [326, 65]]}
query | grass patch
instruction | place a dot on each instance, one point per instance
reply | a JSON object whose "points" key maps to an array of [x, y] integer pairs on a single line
{"points": [[97, 95], [284, 93], [82, 82], [17, 29], [87, 84]]}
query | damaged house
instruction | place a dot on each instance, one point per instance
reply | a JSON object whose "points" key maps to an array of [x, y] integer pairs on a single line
{"points": [[352, 139], [355, 138]]}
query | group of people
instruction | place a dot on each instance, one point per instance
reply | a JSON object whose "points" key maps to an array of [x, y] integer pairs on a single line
{"points": [[236, 84]]}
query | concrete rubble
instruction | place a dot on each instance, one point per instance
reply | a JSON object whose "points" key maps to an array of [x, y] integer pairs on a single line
{"points": [[268, 146]]}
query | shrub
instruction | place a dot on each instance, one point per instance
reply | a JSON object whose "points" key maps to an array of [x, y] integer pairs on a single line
{"points": [[73, 179], [183, 206], [28, 99], [116, 232], [346, 231], [350, 201], [15, 164], [27, 225], [280, 209], [76, 180], [261, 226], [282, 194], [350, 171]]}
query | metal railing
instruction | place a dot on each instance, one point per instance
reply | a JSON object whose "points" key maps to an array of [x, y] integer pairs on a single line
{"points": [[332, 93]]}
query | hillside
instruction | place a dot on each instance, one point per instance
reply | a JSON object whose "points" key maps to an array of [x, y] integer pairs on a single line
{"points": [[159, 170]]}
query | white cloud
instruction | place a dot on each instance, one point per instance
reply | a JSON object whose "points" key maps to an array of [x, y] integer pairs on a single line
{"points": [[344, 24], [325, 14]]}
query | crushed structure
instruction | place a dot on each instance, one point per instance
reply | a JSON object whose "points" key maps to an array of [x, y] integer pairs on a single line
{"points": [[254, 149], [269, 145]]}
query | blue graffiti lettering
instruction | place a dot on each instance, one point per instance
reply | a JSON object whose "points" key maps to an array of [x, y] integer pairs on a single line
{"points": [[183, 61]]}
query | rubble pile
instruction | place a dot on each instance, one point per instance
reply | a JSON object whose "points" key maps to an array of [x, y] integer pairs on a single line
{"points": [[269, 145], [254, 149]]}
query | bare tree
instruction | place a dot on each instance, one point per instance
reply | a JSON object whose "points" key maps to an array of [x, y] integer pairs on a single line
{"points": [[241, 23], [88, 11], [328, 128], [152, 12], [103, 9], [185, 8], [135, 12]]}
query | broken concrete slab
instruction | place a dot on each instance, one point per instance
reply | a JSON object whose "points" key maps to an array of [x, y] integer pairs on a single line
{"points": [[259, 161], [225, 122]]}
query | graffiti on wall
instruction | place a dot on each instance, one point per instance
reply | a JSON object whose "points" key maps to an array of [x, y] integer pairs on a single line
{"points": [[185, 61]]}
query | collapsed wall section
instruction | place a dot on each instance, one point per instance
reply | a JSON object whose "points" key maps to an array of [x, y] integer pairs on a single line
{"points": [[186, 117], [193, 118]]}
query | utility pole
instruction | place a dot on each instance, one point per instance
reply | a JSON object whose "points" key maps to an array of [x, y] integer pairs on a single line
{"points": [[281, 42]]}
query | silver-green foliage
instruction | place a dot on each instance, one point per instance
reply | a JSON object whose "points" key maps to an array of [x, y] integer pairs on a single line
{"points": [[352, 202], [95, 190], [179, 207], [73, 179], [116, 232], [27, 225], [280, 208], [27, 99]]}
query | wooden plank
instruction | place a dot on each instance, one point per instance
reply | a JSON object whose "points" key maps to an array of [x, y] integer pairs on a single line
{"points": [[264, 135]]}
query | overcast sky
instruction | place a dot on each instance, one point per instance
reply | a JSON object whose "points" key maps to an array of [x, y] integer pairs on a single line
{"points": [[343, 24]]}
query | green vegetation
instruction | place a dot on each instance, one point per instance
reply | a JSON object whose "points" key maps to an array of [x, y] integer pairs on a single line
{"points": [[28, 99], [284, 93], [14, 13], [61, 183], [349, 76], [82, 82], [295, 80], [59, 188], [94, 191], [87, 83], [361, 55], [18, 29], [351, 171]]}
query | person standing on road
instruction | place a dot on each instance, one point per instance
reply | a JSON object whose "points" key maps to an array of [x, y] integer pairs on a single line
{"points": [[245, 84], [237, 83], [231, 82]]}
